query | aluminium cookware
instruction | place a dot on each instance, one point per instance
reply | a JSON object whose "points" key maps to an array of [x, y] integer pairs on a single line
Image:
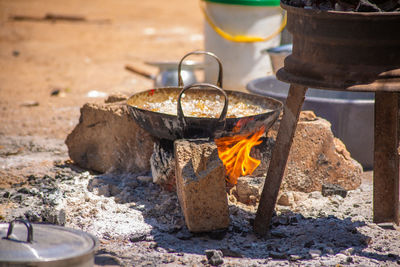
{"points": [[26, 244], [172, 127]]}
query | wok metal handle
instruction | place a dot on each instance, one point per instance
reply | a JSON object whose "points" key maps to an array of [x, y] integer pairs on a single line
{"points": [[28, 225], [181, 116], [219, 81]]}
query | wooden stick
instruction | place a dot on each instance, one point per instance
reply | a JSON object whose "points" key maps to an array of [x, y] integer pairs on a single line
{"points": [[279, 158]]}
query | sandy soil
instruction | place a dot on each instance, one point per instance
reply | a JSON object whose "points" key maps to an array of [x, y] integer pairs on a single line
{"points": [[38, 58]]}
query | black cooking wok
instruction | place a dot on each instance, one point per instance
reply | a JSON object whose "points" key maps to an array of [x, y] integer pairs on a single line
{"points": [[172, 127]]}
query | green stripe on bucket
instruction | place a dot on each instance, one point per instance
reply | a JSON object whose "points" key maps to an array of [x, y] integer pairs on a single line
{"points": [[247, 2]]}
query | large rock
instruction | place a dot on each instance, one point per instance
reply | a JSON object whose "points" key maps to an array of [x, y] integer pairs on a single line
{"points": [[107, 139], [318, 158], [200, 183]]}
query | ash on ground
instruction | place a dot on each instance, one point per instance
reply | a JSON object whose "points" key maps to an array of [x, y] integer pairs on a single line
{"points": [[138, 223]]}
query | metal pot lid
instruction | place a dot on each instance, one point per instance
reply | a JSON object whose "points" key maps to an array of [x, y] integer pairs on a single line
{"points": [[25, 242]]}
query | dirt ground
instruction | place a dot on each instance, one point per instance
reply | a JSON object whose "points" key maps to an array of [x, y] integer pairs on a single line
{"points": [[41, 57], [49, 69]]}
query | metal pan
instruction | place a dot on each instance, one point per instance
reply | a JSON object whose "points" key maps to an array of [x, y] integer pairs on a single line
{"points": [[172, 127], [45, 245]]}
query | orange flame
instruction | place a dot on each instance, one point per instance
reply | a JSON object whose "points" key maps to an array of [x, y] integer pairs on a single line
{"points": [[234, 151]]}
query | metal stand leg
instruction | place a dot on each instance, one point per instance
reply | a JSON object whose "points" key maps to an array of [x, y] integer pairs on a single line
{"points": [[279, 158], [386, 157]]}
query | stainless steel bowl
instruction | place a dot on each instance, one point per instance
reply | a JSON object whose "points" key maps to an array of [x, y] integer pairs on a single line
{"points": [[350, 113], [168, 72], [277, 55]]}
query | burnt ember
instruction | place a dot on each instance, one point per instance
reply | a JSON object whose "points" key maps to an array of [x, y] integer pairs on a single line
{"points": [[348, 5]]}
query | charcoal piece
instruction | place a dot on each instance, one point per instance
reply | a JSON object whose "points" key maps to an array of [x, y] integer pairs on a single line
{"points": [[214, 257], [332, 189], [136, 237]]}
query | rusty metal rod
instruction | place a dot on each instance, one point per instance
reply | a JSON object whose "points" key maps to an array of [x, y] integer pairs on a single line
{"points": [[386, 158], [140, 72], [279, 158]]}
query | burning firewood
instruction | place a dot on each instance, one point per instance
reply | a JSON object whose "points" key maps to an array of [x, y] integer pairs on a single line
{"points": [[234, 151]]}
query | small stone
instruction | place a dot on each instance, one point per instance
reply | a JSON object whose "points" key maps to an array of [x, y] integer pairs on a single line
{"points": [[248, 189], [315, 195], [349, 251], [136, 237], [104, 190], [34, 191], [15, 53], [286, 199], [349, 259], [54, 216], [168, 259], [299, 196], [23, 190], [33, 216], [214, 257], [329, 250], [332, 189], [17, 197], [294, 257], [55, 92]]}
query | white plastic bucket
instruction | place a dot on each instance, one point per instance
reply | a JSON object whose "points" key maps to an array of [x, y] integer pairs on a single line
{"points": [[242, 61]]}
